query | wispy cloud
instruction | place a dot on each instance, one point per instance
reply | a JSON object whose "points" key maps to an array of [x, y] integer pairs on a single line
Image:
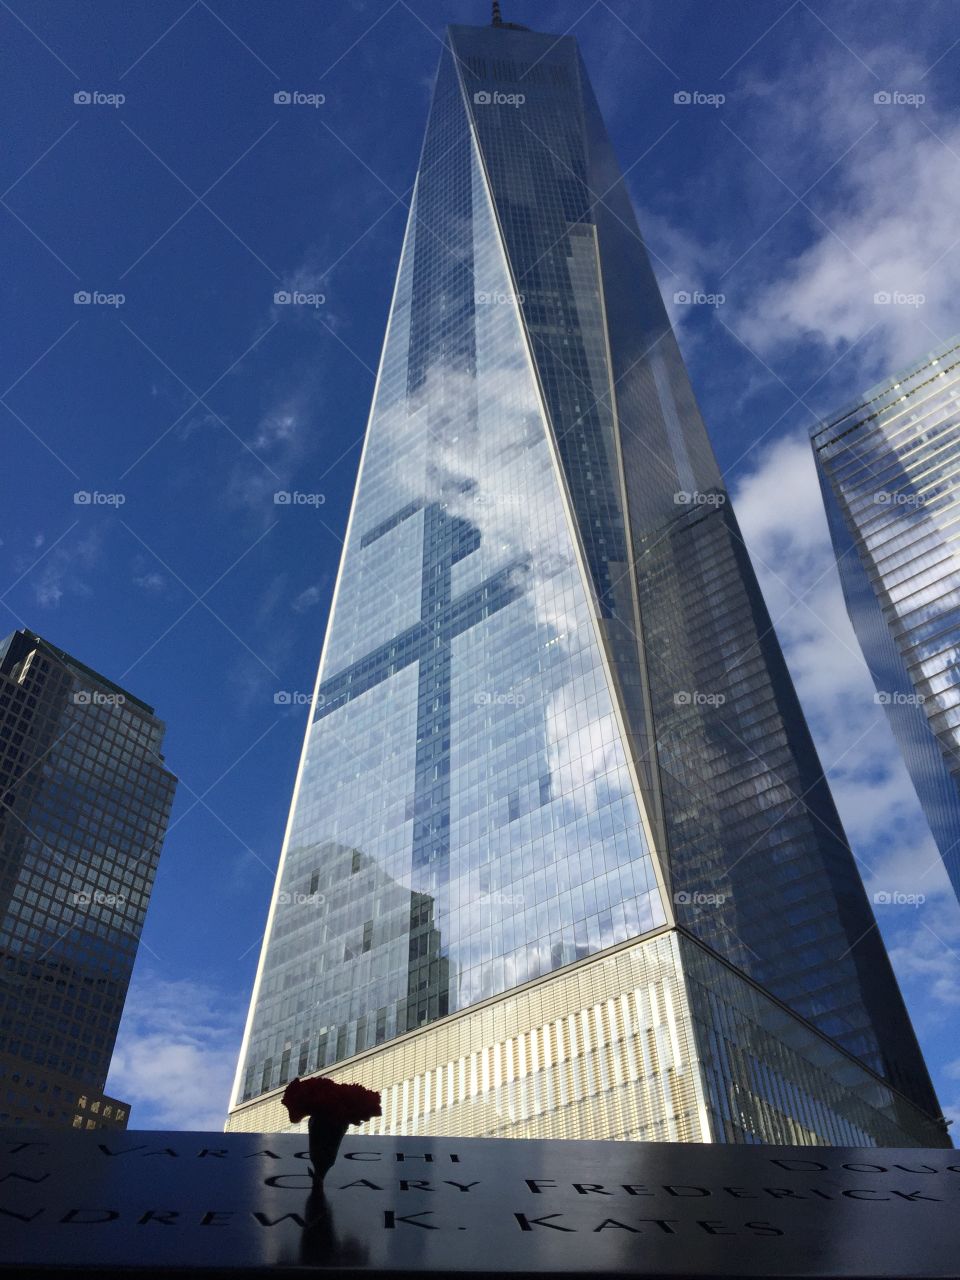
{"points": [[149, 581], [279, 443], [64, 572], [307, 599], [929, 954], [881, 251], [305, 293]]}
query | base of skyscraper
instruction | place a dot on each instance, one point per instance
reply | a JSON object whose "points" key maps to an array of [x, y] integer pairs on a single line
{"points": [[658, 1040]]}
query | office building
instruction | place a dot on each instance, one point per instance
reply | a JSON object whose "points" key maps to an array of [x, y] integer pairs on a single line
{"points": [[561, 860], [84, 804]]}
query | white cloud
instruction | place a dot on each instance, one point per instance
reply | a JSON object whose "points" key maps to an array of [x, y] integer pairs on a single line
{"points": [[928, 968], [198, 419], [311, 274], [176, 1054], [48, 591], [269, 465], [932, 965], [62, 571], [883, 223], [151, 582], [308, 283], [277, 428], [307, 599]]}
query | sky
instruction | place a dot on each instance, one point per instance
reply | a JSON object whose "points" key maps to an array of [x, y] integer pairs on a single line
{"points": [[788, 163]]}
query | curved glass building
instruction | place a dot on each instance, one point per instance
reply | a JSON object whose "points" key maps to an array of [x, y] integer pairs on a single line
{"points": [[889, 470]]}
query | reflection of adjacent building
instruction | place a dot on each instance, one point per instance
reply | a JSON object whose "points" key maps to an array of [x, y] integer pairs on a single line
{"points": [[100, 1112], [551, 701], [428, 977], [84, 804], [889, 469], [362, 956]]}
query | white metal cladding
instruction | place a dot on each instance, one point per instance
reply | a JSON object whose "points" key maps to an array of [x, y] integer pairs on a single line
{"points": [[602, 1051]]}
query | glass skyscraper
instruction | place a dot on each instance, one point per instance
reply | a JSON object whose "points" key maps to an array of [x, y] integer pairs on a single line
{"points": [[84, 804], [889, 470], [561, 860]]}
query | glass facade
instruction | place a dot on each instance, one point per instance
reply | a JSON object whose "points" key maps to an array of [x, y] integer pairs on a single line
{"points": [[889, 469], [84, 805], [658, 1041], [517, 758]]}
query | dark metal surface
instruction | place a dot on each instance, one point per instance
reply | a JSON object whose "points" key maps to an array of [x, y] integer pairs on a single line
{"points": [[209, 1204]]}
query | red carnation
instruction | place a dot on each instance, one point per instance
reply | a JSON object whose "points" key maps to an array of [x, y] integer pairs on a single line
{"points": [[339, 1103]]}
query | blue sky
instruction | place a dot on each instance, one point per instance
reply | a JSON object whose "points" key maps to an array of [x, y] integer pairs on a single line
{"points": [[795, 200]]}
